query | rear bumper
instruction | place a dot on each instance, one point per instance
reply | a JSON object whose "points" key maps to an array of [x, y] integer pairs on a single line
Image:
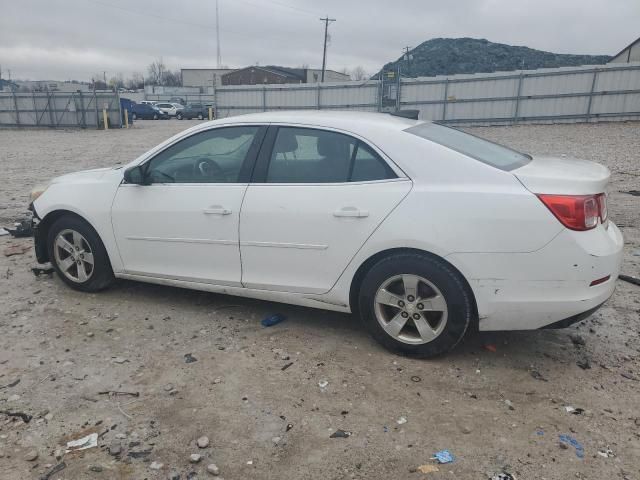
{"points": [[546, 288]]}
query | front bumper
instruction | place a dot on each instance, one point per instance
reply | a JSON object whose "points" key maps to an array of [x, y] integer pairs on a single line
{"points": [[39, 237]]}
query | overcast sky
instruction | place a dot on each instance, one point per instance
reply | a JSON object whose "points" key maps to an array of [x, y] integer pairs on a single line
{"points": [[64, 39]]}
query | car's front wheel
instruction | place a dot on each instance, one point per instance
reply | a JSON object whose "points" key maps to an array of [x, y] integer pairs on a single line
{"points": [[179, 116], [155, 116], [200, 116], [134, 117], [78, 255], [415, 304]]}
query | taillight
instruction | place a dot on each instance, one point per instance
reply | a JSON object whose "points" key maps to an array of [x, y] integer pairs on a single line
{"points": [[602, 204], [577, 212]]}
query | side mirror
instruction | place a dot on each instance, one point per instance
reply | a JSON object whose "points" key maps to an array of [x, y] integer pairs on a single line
{"points": [[135, 175]]}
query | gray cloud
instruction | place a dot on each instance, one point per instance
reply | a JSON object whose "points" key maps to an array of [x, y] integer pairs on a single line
{"points": [[79, 38]]}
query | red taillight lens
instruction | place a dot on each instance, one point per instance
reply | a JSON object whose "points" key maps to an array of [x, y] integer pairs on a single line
{"points": [[577, 212]]}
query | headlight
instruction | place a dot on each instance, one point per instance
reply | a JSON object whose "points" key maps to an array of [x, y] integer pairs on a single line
{"points": [[36, 192]]}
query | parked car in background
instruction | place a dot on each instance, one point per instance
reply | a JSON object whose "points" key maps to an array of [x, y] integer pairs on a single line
{"points": [[148, 102], [168, 108], [194, 110], [179, 100], [148, 112], [422, 230]]}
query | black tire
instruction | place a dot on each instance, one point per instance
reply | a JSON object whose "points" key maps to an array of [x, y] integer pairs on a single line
{"points": [[155, 116], [200, 116], [134, 116], [102, 274], [459, 303], [179, 116]]}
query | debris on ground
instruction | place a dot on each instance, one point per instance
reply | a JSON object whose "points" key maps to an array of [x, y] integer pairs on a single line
{"points": [[203, 442], [88, 441], [416, 378], [114, 393], [323, 383], [156, 465], [574, 410], [3, 232], [195, 458], [12, 250], [427, 468], [509, 404], [213, 469], [569, 440], [188, 358], [635, 193], [286, 365], [538, 376], [24, 228], [340, 434], [31, 456], [10, 385], [577, 340], [57, 468], [443, 456], [491, 347], [503, 476], [606, 452], [37, 271], [584, 364], [401, 421], [272, 320], [630, 279], [26, 418]]}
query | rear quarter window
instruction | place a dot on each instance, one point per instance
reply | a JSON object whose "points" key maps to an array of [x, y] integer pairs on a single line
{"points": [[493, 154]]}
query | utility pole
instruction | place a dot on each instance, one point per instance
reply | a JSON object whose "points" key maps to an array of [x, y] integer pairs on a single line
{"points": [[326, 21], [218, 54], [408, 57], [104, 74]]}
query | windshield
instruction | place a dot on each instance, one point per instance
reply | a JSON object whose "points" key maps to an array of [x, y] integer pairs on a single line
{"points": [[475, 147]]}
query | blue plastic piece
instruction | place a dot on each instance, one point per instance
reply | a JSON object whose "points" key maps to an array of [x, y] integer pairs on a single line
{"points": [[574, 443], [272, 320], [444, 456]]}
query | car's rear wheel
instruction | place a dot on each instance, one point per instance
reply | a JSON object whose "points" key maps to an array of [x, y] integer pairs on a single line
{"points": [[134, 116], [415, 304], [78, 255], [200, 116], [179, 116]]}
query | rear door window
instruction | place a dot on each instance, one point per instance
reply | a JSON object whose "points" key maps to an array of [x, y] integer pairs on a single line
{"points": [[475, 147]]}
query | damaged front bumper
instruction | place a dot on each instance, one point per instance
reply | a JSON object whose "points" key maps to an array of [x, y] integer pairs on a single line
{"points": [[39, 240]]}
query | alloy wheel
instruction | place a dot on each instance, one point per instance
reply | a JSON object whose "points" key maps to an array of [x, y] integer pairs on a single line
{"points": [[411, 309], [73, 256]]}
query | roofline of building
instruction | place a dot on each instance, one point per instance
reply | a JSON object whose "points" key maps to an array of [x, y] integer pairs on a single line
{"points": [[628, 46]]}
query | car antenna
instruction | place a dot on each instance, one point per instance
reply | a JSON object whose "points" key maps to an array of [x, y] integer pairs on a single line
{"points": [[411, 114]]}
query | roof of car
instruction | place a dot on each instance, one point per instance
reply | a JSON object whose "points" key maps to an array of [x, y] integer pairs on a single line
{"points": [[344, 120]]}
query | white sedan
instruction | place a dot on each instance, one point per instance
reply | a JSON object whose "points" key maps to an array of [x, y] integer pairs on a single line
{"points": [[422, 230], [170, 109]]}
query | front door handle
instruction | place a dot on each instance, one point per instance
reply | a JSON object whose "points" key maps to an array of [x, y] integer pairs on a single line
{"points": [[351, 212], [216, 210]]}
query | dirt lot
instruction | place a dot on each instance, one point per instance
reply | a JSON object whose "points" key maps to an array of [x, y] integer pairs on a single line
{"points": [[495, 411]]}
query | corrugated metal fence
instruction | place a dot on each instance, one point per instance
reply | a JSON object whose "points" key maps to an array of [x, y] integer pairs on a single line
{"points": [[59, 109], [570, 94]]}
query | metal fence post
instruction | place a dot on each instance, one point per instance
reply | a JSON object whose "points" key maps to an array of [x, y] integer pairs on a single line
{"points": [[318, 103], [50, 106], [264, 98], [15, 105], [593, 86], [35, 107], [446, 99], [516, 110], [84, 119], [398, 87], [95, 101], [380, 91]]}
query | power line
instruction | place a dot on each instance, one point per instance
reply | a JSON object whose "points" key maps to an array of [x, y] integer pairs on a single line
{"points": [[326, 21]]}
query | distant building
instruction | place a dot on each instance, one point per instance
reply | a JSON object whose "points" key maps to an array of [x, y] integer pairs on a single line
{"points": [[7, 85], [51, 86], [203, 78], [271, 74], [631, 53]]}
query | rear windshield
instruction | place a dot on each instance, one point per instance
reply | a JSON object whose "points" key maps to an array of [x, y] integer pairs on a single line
{"points": [[475, 147]]}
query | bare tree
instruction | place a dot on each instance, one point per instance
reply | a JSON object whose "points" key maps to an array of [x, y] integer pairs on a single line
{"points": [[157, 72], [135, 82], [116, 82], [358, 73], [172, 78]]}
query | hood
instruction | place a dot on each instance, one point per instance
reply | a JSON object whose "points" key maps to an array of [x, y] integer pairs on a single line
{"points": [[92, 174]]}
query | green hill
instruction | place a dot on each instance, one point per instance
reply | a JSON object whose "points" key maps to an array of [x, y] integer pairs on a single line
{"points": [[448, 56]]}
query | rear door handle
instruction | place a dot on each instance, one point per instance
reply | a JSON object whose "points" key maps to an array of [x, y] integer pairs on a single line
{"points": [[216, 210], [351, 212]]}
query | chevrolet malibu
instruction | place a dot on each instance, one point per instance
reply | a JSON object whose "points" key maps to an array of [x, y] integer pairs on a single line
{"points": [[422, 230]]}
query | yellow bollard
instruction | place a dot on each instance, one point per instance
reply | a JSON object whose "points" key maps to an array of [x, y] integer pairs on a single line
{"points": [[126, 118], [210, 113], [105, 119]]}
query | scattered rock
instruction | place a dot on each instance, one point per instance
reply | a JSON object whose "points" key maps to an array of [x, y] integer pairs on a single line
{"points": [[188, 358], [168, 387], [31, 456], [115, 448], [195, 458], [584, 364], [538, 376], [323, 384], [509, 404], [95, 468], [213, 469], [58, 454], [340, 434], [577, 340], [156, 465], [401, 421], [120, 360], [203, 442], [174, 476], [465, 429], [13, 398], [90, 334]]}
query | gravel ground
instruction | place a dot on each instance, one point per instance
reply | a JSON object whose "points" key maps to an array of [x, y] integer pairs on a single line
{"points": [[255, 392]]}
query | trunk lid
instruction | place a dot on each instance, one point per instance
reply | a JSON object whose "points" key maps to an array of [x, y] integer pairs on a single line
{"points": [[563, 176]]}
